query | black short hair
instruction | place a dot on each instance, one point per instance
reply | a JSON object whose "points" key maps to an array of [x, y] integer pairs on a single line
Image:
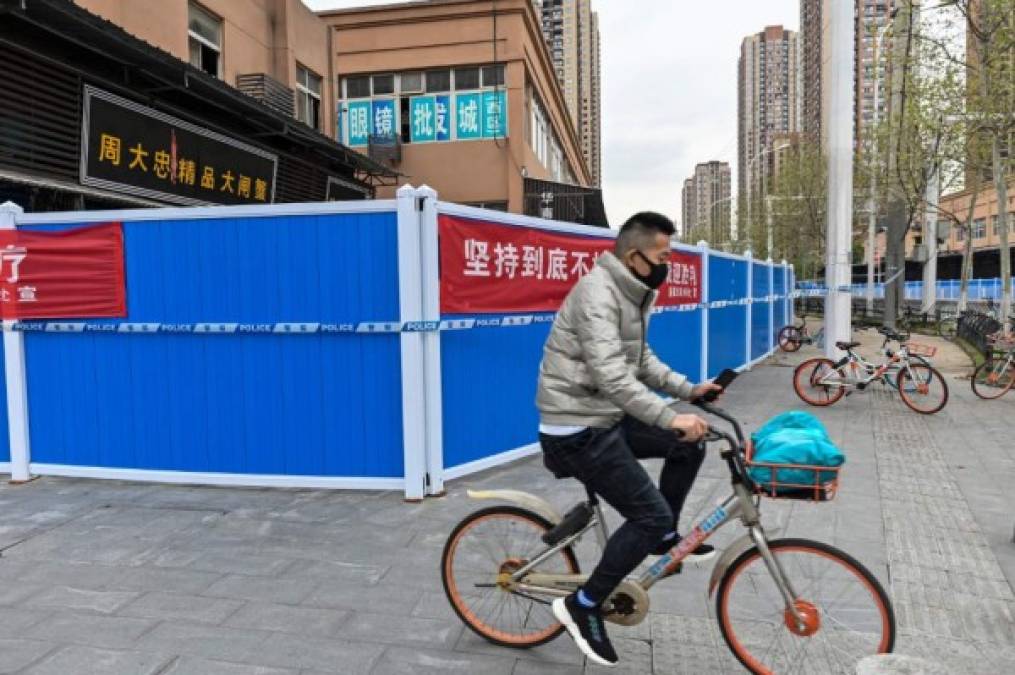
{"points": [[640, 229]]}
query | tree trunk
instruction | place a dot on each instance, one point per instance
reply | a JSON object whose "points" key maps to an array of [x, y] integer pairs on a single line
{"points": [[967, 252], [1001, 187]]}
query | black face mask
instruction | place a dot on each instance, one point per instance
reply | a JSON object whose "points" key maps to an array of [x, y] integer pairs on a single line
{"points": [[656, 277]]}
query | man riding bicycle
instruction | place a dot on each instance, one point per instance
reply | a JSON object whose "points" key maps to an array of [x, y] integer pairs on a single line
{"points": [[600, 414]]}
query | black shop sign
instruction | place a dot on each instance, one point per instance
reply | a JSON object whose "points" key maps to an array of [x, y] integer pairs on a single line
{"points": [[130, 148]]}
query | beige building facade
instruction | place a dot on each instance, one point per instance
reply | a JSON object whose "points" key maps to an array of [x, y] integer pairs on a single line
{"points": [[984, 227], [459, 94], [276, 50], [571, 31]]}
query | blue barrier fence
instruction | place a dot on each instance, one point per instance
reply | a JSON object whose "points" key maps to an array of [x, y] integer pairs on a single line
{"points": [[278, 345], [947, 289]]}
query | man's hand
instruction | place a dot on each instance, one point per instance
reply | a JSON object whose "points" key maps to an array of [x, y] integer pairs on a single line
{"points": [[692, 426], [703, 388]]}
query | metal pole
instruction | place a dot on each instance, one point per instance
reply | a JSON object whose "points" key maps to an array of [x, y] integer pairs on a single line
{"points": [[840, 177], [18, 429], [930, 242]]}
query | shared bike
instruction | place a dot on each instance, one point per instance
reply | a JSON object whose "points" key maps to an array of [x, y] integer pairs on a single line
{"points": [[995, 376], [783, 605], [792, 336], [821, 381]]}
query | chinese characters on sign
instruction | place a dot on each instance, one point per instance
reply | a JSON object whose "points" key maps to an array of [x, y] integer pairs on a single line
{"points": [[467, 116], [384, 118], [422, 119], [130, 148], [359, 123], [68, 274], [440, 118], [487, 267], [494, 114]]}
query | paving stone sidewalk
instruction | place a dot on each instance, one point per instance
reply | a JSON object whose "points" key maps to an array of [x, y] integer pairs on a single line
{"points": [[112, 577]]}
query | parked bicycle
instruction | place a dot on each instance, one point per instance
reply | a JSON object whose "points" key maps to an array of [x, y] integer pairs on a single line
{"points": [[943, 322], [791, 337], [782, 604], [822, 382], [994, 377]]}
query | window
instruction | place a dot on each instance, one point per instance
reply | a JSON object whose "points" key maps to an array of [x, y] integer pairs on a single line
{"points": [[492, 206], [960, 234], [384, 84], [979, 228], [438, 80], [205, 36], [493, 76], [466, 78], [411, 83], [357, 87], [308, 97]]}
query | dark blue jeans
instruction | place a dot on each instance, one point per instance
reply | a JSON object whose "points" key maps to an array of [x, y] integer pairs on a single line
{"points": [[606, 461]]}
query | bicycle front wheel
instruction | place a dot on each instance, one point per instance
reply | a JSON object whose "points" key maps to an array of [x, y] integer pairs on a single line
{"points": [[481, 551], [789, 339], [847, 614], [817, 382], [992, 379], [922, 388], [948, 328]]}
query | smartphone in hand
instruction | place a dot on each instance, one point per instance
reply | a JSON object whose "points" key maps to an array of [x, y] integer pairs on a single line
{"points": [[724, 380]]}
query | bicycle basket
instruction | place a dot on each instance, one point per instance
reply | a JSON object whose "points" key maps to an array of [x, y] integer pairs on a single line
{"points": [[918, 349], [792, 481]]}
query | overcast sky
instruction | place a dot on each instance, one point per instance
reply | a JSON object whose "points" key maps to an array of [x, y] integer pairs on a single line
{"points": [[669, 90]]}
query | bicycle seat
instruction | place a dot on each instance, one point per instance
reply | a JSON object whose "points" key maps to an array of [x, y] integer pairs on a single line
{"points": [[847, 345]]}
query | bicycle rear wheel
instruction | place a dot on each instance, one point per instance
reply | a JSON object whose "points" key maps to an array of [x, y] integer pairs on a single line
{"points": [[922, 388], [992, 379], [807, 382], [847, 613], [789, 338], [486, 545], [948, 328]]}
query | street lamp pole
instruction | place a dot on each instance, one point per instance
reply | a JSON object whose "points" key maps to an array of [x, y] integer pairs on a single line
{"points": [[872, 211], [753, 160], [840, 178]]}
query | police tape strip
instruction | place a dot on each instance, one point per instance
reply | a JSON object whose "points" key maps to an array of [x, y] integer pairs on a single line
{"points": [[312, 328]]}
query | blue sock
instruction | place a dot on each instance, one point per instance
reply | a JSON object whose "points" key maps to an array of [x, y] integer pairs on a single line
{"points": [[584, 601]]}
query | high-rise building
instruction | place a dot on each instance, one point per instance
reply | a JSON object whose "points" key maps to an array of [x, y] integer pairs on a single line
{"points": [[870, 16], [769, 104], [706, 201], [571, 30], [688, 215]]}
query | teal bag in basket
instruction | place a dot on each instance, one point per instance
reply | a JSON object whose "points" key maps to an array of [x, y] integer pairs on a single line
{"points": [[794, 437]]}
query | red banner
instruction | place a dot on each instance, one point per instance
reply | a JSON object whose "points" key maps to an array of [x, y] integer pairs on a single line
{"points": [[62, 275], [491, 268]]}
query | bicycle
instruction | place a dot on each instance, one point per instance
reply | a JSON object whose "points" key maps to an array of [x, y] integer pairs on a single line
{"points": [[792, 336], [822, 382], [994, 377], [781, 603]]}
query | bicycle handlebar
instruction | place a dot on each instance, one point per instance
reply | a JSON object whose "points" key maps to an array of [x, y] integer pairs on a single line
{"points": [[738, 445]]}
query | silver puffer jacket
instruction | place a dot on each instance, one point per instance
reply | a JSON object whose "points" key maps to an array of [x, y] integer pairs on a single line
{"points": [[596, 364]]}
